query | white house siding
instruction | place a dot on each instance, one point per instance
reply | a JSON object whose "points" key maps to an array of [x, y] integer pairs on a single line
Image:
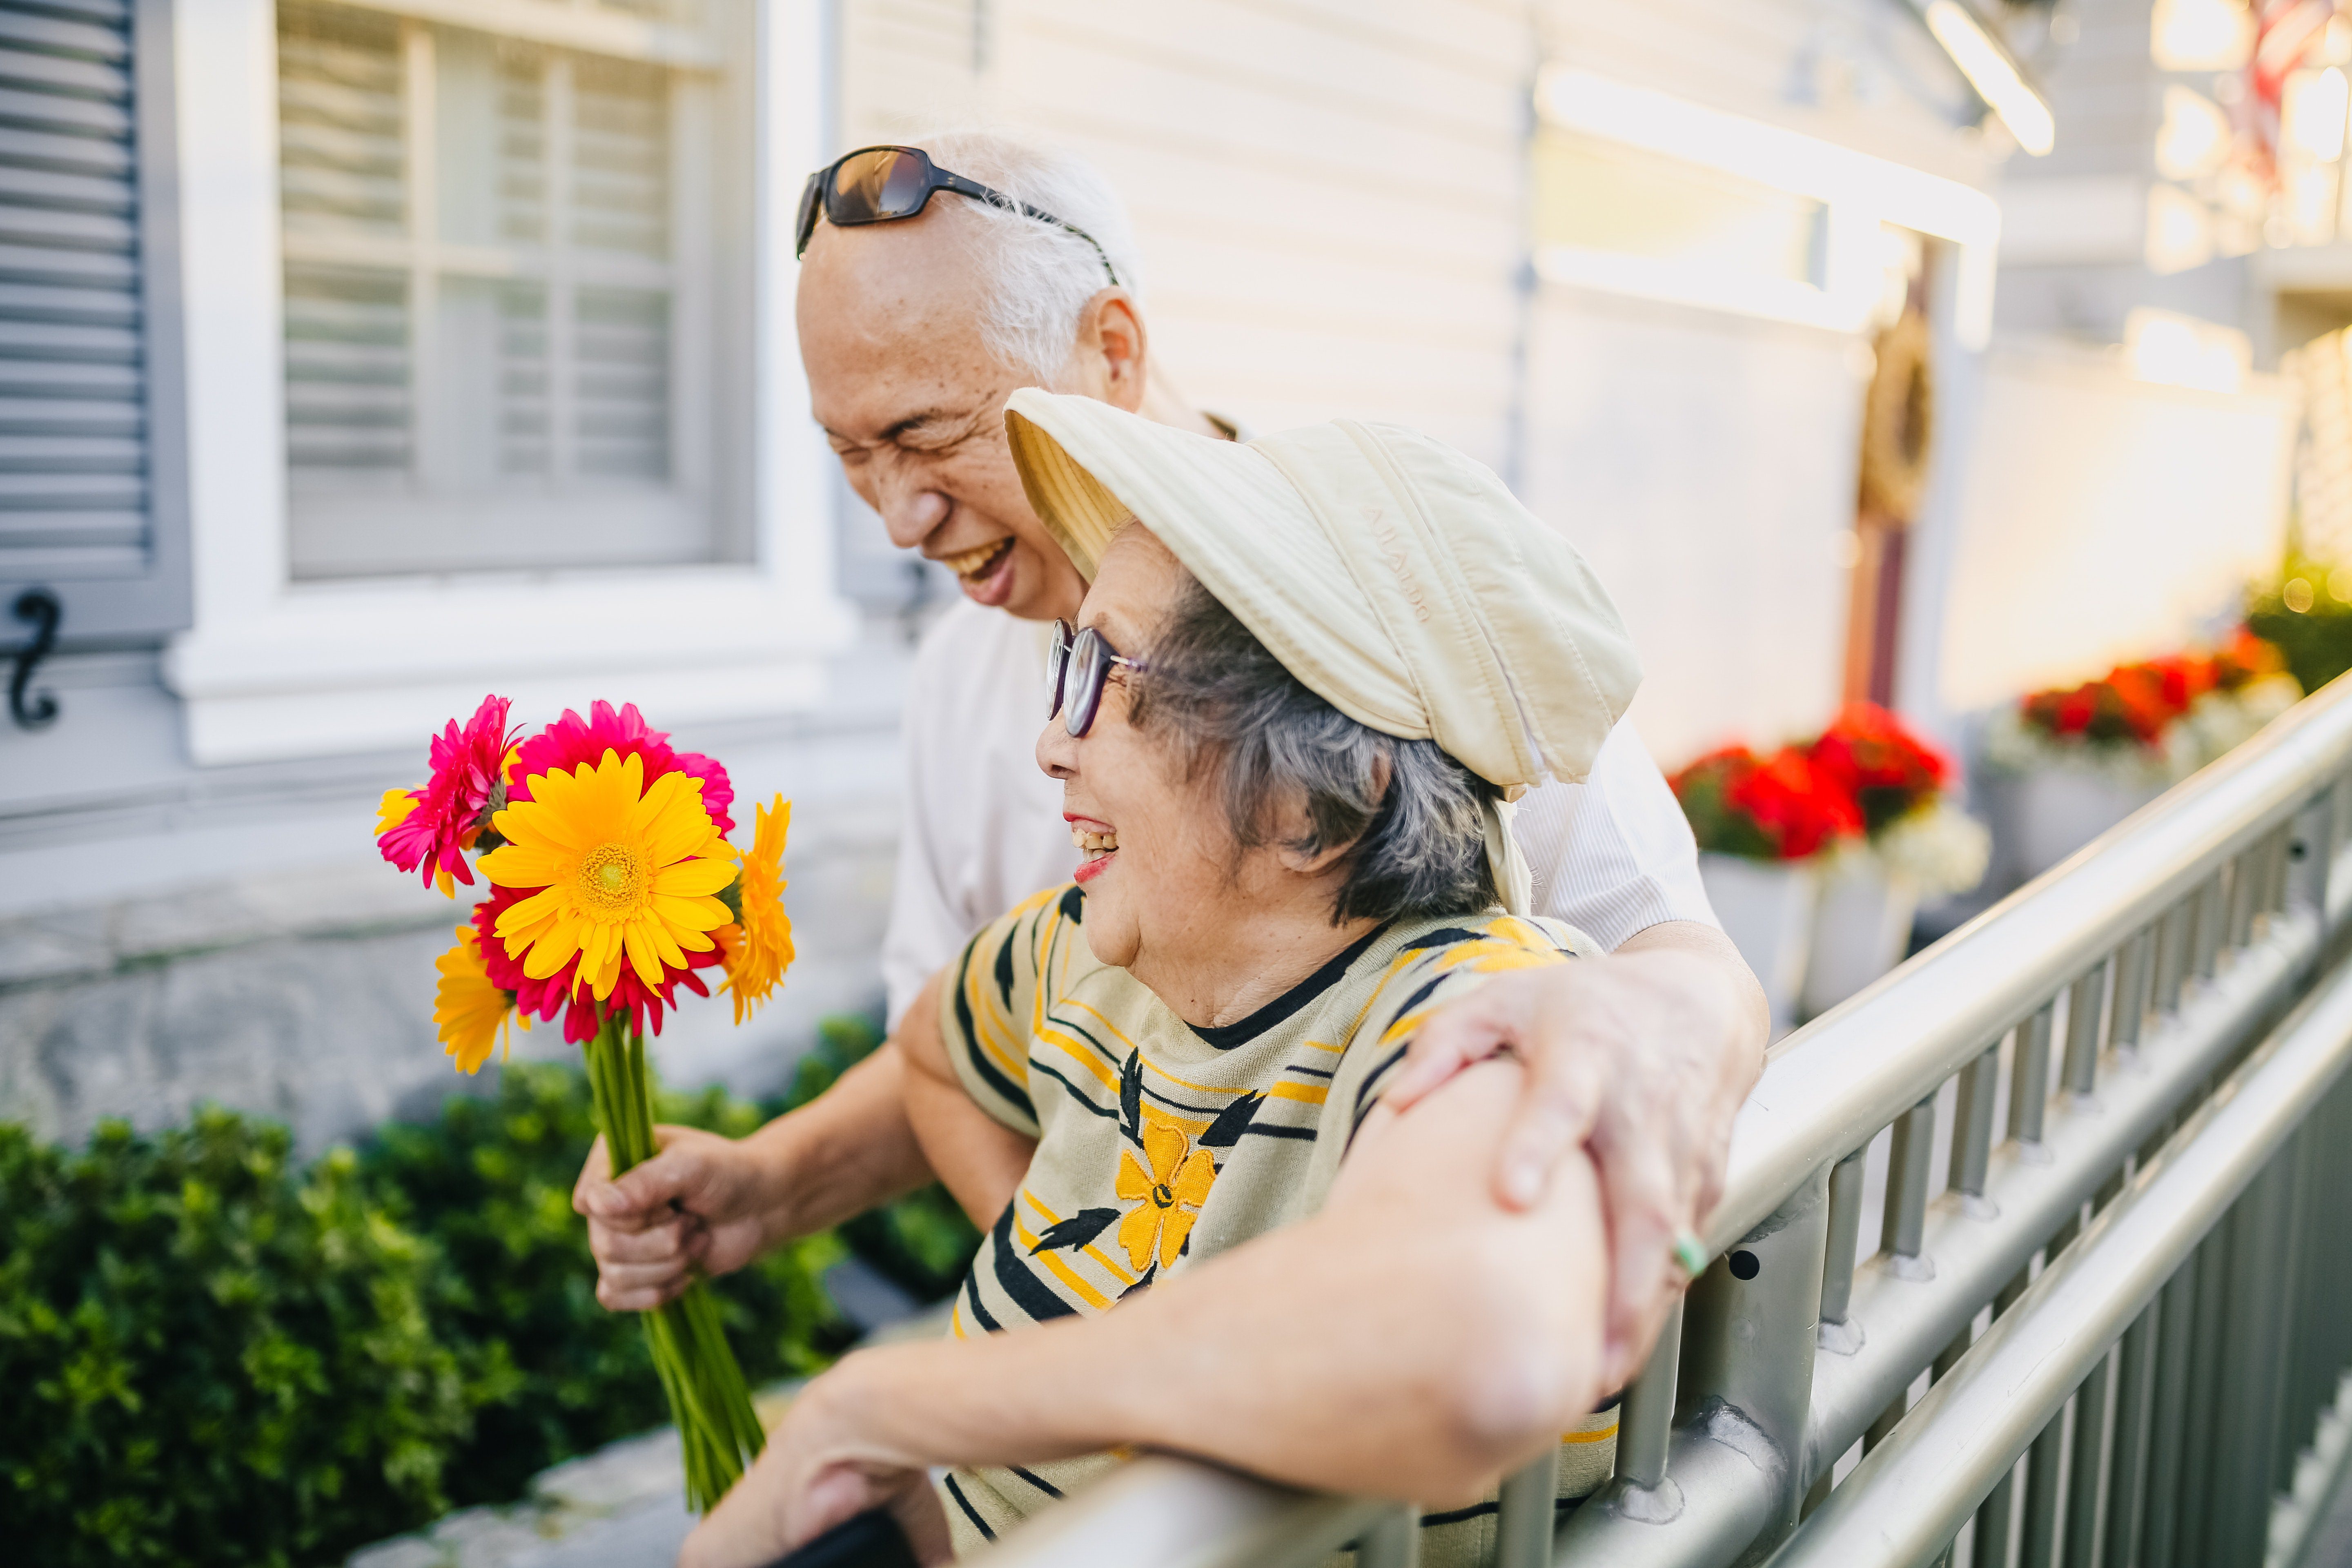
{"points": [[1329, 196]]}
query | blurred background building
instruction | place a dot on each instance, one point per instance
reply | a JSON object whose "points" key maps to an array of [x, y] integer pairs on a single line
{"points": [[358, 359]]}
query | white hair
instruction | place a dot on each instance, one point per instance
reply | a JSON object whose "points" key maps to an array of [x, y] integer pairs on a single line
{"points": [[1039, 277]]}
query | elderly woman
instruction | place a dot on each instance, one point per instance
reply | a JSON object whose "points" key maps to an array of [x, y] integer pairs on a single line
{"points": [[1306, 676]]}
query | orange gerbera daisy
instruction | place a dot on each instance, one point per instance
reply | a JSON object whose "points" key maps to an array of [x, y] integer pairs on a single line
{"points": [[626, 872], [473, 1012], [760, 947]]}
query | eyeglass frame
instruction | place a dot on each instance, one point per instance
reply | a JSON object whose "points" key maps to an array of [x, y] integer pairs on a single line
{"points": [[1079, 649], [818, 194]]}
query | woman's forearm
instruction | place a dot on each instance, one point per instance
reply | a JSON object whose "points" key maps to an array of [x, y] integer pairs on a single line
{"points": [[1412, 1339]]}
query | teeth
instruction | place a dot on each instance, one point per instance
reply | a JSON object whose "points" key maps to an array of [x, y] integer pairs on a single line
{"points": [[966, 562], [1081, 839]]}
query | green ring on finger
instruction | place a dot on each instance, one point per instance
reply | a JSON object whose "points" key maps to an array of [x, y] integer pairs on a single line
{"points": [[1690, 1252]]}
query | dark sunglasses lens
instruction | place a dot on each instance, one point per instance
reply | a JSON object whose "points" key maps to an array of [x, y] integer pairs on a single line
{"points": [[1084, 682], [876, 186], [805, 223], [1057, 663]]}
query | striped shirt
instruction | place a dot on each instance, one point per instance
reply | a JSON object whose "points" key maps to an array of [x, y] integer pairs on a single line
{"points": [[1160, 1144]]}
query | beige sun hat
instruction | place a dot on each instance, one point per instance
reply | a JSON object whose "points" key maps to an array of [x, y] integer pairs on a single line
{"points": [[1394, 576]]}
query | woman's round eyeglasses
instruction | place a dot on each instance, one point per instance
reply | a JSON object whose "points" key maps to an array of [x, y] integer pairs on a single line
{"points": [[1077, 665]]}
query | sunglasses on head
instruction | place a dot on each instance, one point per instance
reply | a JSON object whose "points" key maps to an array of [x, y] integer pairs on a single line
{"points": [[883, 184], [1077, 665]]}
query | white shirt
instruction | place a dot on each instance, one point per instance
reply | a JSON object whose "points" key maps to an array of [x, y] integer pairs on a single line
{"points": [[984, 830]]}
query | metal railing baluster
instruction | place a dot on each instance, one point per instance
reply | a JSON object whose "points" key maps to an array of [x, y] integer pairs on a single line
{"points": [[2174, 930], [2129, 1012], [2134, 1389], [1647, 1418], [1393, 1541], [2193, 1531], [2029, 1081], [2168, 1418], [1838, 1334], [2039, 1546], [2245, 873], [2085, 1471], [1523, 1524], [1972, 1133], [1990, 1548], [1908, 1171], [2207, 953], [2085, 1005]]}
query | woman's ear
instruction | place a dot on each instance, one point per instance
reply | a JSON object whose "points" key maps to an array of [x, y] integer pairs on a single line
{"points": [[1295, 828]]}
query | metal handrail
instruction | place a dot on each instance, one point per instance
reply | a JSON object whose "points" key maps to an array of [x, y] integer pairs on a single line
{"points": [[1910, 1495], [2207, 910]]}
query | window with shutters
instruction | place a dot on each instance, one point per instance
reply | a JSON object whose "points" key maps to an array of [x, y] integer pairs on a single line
{"points": [[504, 261], [90, 504], [491, 381]]}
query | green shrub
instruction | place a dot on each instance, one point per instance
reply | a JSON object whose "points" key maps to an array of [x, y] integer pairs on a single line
{"points": [[2317, 639], [209, 1357]]}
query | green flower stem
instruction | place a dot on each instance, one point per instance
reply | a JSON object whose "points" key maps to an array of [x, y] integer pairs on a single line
{"points": [[719, 1432]]}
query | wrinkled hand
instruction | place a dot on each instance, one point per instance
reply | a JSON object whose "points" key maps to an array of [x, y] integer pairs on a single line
{"points": [[824, 1465], [700, 1202], [1641, 1059]]}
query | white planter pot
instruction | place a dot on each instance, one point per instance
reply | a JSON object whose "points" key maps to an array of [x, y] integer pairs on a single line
{"points": [[1862, 924], [1766, 907], [2052, 812]]}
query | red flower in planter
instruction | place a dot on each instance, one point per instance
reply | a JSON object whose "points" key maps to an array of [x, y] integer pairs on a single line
{"points": [[1782, 807], [1881, 765]]}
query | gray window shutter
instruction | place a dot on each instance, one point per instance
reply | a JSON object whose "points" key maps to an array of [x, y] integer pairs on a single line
{"points": [[92, 492]]}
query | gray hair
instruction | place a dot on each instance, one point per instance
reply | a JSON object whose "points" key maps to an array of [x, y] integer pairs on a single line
{"points": [[1040, 276], [1416, 847]]}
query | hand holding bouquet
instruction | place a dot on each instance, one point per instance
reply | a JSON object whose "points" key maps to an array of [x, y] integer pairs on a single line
{"points": [[611, 883]]}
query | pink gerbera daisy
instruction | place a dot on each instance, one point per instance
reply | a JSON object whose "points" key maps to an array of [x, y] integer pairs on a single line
{"points": [[572, 740], [455, 805]]}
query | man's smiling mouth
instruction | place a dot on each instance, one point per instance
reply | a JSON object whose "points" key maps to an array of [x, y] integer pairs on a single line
{"points": [[975, 563]]}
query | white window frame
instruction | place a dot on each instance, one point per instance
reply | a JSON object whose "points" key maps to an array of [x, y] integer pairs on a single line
{"points": [[274, 668], [1859, 190]]}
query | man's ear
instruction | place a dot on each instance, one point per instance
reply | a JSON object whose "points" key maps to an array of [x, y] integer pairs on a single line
{"points": [[1112, 350]]}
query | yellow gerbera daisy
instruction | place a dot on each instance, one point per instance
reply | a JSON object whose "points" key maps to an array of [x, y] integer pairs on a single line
{"points": [[473, 1014], [627, 871], [759, 949]]}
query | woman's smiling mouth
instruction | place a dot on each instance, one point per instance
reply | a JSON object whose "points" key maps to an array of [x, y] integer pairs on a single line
{"points": [[1097, 842]]}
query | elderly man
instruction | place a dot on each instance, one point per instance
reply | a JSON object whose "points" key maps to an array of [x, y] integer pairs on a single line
{"points": [[934, 284]]}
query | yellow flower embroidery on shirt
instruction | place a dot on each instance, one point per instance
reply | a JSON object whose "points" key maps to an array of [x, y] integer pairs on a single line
{"points": [[1167, 1196]]}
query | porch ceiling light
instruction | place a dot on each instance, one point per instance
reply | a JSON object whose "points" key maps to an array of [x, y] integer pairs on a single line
{"points": [[1992, 72]]}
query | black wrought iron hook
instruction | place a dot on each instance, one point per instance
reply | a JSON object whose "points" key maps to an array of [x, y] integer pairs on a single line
{"points": [[40, 607]]}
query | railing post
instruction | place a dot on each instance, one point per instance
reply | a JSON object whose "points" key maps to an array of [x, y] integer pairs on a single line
{"points": [[2028, 1084], [1839, 1334], [2130, 1011], [1754, 1318], [1647, 1419], [1393, 1540], [1972, 1136], [2085, 1004], [1524, 1519], [1909, 1163]]}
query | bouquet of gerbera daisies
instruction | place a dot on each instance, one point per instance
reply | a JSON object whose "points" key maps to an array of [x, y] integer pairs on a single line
{"points": [[611, 883]]}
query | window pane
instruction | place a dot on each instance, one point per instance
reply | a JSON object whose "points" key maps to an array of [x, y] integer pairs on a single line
{"points": [[486, 309], [620, 157], [490, 125], [346, 378], [623, 385], [339, 105]]}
